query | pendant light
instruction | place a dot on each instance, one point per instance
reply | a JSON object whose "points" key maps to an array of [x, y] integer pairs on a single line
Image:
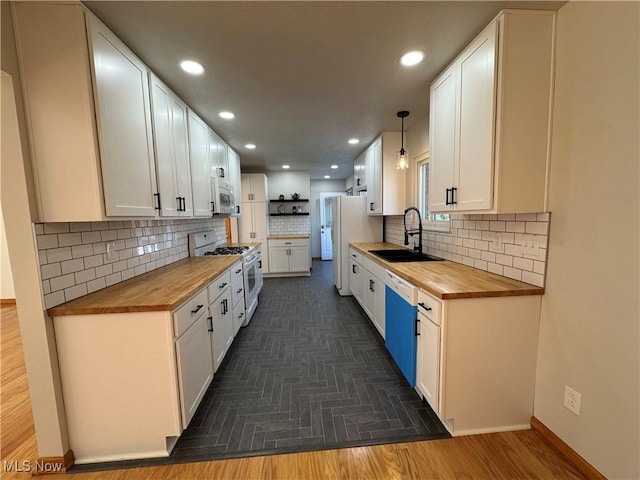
{"points": [[401, 162]]}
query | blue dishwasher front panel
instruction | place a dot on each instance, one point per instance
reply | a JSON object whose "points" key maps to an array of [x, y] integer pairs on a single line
{"points": [[400, 336]]}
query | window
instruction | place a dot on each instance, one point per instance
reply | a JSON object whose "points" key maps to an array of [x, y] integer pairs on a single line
{"points": [[435, 221]]}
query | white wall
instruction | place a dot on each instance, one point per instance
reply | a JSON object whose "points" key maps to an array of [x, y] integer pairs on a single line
{"points": [[287, 183], [6, 280], [318, 187], [589, 334]]}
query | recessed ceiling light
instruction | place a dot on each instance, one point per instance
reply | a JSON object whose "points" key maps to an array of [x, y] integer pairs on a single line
{"points": [[286, 167], [194, 68], [353, 141], [250, 146], [334, 167], [410, 59], [327, 176], [227, 115]]}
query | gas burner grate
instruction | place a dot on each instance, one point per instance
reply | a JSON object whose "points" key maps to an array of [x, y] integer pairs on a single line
{"points": [[228, 251]]}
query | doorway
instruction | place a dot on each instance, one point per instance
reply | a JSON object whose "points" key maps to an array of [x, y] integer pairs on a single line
{"points": [[326, 223]]}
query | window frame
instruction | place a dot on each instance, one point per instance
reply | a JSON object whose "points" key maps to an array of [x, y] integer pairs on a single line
{"points": [[428, 223]]}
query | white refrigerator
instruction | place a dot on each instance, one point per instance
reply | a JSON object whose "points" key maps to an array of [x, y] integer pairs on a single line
{"points": [[350, 224]]}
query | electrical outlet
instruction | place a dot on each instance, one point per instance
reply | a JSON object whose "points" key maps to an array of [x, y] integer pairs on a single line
{"points": [[112, 254], [529, 246], [572, 399]]}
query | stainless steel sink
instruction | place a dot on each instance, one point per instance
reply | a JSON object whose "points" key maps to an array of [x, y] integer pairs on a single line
{"points": [[403, 255]]}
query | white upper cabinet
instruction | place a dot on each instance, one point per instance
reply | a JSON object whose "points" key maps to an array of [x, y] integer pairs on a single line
{"points": [[172, 151], [124, 125], [235, 181], [218, 155], [199, 159], [87, 101], [385, 185], [254, 187], [489, 124], [359, 172]]}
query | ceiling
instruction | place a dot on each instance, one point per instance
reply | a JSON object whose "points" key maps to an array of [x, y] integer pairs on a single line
{"points": [[301, 77]]}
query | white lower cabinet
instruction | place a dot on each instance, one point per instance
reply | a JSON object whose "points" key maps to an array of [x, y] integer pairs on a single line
{"points": [[289, 256], [367, 286], [221, 317], [195, 370], [476, 361]]}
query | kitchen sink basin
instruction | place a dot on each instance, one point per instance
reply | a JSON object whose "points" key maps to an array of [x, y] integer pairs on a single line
{"points": [[403, 255]]}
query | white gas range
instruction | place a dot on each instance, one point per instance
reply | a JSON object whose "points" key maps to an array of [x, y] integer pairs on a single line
{"points": [[205, 244]]}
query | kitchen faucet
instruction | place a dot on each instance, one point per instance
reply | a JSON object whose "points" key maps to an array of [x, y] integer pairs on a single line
{"points": [[414, 231]]}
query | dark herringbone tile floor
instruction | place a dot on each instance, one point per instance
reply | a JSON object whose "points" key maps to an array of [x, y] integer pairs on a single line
{"points": [[309, 372]]}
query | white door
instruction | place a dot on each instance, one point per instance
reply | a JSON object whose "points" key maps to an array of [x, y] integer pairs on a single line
{"points": [[326, 223]]}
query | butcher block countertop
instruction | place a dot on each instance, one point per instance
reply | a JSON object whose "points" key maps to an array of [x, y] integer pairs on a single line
{"points": [[450, 280], [163, 289], [287, 237]]}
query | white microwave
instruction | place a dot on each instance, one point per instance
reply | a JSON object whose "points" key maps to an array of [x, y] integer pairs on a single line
{"points": [[222, 198]]}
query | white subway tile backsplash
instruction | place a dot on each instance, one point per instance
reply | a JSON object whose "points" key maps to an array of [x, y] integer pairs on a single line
{"points": [[75, 291], [47, 241], [85, 276], [59, 254], [68, 239], [523, 264], [90, 237], [473, 235], [62, 282], [56, 228], [533, 278], [513, 273], [73, 259], [78, 251], [538, 228], [71, 266], [50, 270]]}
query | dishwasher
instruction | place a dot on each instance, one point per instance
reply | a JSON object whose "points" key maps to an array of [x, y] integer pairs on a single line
{"points": [[400, 318]]}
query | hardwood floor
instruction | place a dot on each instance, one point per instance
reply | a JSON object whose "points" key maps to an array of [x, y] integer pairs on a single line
{"points": [[521, 455]]}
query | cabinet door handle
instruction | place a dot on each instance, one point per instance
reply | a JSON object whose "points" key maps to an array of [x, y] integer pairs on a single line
{"points": [[239, 270], [417, 327], [260, 264], [179, 204], [221, 172], [454, 201], [238, 209], [353, 268], [446, 197], [210, 324], [222, 307], [157, 198], [226, 306], [213, 207], [371, 206], [239, 290], [358, 182], [241, 315], [223, 285], [197, 309], [428, 309], [372, 286]]}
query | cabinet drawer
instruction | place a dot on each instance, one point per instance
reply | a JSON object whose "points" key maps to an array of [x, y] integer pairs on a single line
{"points": [[216, 287], [236, 272], [429, 306], [355, 255], [237, 292], [288, 242], [188, 313], [374, 268], [238, 317]]}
